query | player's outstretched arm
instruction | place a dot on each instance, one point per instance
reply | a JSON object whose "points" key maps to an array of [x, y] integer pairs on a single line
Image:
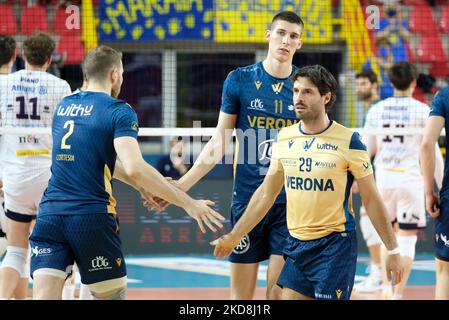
{"points": [[261, 201], [148, 178], [120, 174], [212, 153], [379, 217], [432, 131]]}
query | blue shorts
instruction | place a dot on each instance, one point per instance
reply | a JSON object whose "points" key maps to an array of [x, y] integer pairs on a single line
{"points": [[321, 269], [442, 232], [91, 240], [267, 238]]}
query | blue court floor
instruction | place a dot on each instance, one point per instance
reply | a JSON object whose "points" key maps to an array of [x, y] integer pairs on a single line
{"points": [[193, 271]]}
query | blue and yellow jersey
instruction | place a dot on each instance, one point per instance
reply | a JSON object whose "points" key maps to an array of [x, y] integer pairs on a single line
{"points": [[85, 125], [264, 104], [440, 107], [318, 173]]}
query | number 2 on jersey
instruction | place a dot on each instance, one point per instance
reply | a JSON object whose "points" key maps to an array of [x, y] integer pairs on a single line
{"points": [[71, 125]]}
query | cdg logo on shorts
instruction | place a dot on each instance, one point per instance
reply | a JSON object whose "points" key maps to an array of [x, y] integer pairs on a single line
{"points": [[99, 263]]}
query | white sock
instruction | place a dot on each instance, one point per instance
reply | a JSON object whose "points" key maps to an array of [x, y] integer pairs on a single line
{"points": [[85, 292], [68, 292], [376, 270], [396, 296], [387, 288]]}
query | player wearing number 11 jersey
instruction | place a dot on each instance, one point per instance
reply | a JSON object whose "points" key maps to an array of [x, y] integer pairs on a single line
{"points": [[28, 99]]}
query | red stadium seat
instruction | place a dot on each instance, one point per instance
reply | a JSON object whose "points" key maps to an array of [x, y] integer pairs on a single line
{"points": [[414, 2], [59, 25], [9, 22], [72, 47], [444, 19], [439, 70], [430, 50], [419, 94], [410, 55], [421, 20], [33, 19]]}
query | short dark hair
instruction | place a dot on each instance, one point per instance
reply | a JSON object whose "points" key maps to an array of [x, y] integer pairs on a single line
{"points": [[367, 74], [322, 79], [402, 74], [7, 49], [288, 16], [38, 48], [100, 61]]}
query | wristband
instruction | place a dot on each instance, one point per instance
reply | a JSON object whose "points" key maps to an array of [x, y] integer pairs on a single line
{"points": [[394, 251]]}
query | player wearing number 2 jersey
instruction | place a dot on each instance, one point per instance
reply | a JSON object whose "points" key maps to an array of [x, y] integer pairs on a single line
{"points": [[77, 219], [27, 99], [398, 175]]}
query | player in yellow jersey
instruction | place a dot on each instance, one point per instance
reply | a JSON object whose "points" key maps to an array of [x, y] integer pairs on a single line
{"points": [[317, 160]]}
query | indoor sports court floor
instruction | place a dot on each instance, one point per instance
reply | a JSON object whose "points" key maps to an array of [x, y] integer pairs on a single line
{"points": [[202, 277], [199, 277]]}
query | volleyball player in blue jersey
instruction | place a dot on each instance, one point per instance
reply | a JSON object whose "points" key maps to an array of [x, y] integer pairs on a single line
{"points": [[77, 219], [257, 101]]}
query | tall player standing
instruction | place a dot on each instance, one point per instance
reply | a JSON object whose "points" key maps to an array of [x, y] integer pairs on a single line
{"points": [[257, 101], [28, 98]]}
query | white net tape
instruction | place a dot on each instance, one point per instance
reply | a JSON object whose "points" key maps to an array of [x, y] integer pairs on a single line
{"points": [[158, 132]]}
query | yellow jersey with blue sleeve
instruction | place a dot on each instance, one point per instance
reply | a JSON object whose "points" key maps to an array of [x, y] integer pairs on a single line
{"points": [[319, 170]]}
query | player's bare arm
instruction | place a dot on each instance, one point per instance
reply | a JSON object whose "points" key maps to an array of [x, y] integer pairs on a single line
{"points": [[120, 174], [211, 154], [261, 201], [432, 131], [149, 178], [439, 166], [379, 217]]}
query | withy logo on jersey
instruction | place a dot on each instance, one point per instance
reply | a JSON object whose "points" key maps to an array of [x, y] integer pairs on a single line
{"points": [[243, 246], [74, 110], [100, 263]]}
